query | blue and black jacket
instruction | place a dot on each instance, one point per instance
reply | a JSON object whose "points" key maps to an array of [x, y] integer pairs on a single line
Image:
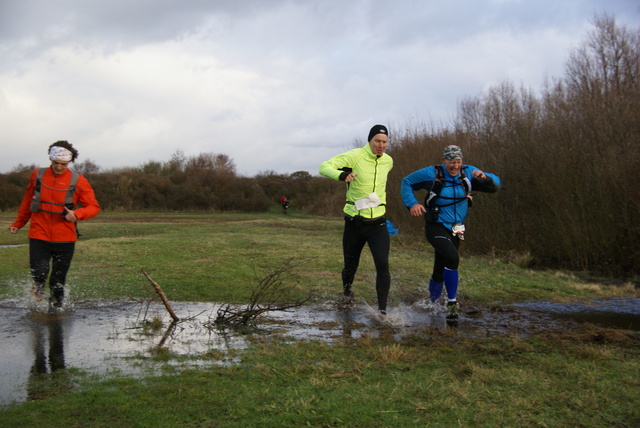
{"points": [[453, 189]]}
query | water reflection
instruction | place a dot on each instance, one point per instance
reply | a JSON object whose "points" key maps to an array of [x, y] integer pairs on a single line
{"points": [[167, 335], [48, 357]]}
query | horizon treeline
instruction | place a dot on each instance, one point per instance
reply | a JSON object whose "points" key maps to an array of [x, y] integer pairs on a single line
{"points": [[566, 157], [205, 182]]}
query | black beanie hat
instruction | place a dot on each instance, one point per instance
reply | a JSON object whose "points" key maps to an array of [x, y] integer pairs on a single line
{"points": [[377, 129]]}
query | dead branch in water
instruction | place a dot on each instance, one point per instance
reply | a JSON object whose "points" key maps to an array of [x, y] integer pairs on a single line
{"points": [[269, 295], [158, 290]]}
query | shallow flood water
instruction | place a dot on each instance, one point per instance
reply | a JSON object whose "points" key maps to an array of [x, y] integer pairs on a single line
{"points": [[614, 313], [98, 337]]}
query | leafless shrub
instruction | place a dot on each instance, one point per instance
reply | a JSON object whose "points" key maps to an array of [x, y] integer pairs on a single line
{"points": [[270, 294]]}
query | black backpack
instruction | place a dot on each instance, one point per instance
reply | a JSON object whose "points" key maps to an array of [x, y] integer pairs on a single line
{"points": [[433, 209]]}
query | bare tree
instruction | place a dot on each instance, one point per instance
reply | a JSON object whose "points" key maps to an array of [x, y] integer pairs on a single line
{"points": [[87, 167]]}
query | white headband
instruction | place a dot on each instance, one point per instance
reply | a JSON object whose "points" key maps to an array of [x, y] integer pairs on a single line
{"points": [[57, 153]]}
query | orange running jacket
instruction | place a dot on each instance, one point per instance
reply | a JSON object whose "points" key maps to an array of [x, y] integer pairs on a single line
{"points": [[53, 227]]}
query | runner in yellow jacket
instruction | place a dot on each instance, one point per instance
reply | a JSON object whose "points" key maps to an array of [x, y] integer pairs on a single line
{"points": [[365, 171]]}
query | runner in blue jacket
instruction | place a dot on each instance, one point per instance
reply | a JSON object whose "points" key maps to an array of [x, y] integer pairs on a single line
{"points": [[446, 207]]}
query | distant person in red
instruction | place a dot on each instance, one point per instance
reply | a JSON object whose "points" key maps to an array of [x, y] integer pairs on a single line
{"points": [[285, 204], [55, 200]]}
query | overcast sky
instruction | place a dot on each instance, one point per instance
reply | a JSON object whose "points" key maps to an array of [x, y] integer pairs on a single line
{"points": [[277, 85]]}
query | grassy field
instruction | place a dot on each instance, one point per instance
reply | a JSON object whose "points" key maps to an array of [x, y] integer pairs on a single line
{"points": [[587, 377], [198, 257]]}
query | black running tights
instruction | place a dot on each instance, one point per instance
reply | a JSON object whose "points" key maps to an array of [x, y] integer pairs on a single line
{"points": [[58, 255], [356, 234], [446, 248]]}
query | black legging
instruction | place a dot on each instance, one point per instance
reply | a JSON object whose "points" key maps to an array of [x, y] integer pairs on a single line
{"points": [[375, 233], [41, 253], [446, 247]]}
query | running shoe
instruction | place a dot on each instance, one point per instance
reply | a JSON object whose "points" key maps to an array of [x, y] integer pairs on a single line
{"points": [[346, 301], [38, 292], [452, 310]]}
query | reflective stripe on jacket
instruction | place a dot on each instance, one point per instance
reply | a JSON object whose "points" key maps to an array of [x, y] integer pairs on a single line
{"points": [[372, 177], [49, 226]]}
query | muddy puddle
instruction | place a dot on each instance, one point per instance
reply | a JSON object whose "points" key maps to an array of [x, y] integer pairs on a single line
{"points": [[119, 337]]}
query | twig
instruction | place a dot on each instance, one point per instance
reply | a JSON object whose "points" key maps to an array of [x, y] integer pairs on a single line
{"points": [[162, 296]]}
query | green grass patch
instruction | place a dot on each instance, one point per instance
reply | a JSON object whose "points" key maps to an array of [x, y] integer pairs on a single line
{"points": [[220, 257]]}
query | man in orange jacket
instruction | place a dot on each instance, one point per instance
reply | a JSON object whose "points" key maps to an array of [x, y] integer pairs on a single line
{"points": [[50, 203]]}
